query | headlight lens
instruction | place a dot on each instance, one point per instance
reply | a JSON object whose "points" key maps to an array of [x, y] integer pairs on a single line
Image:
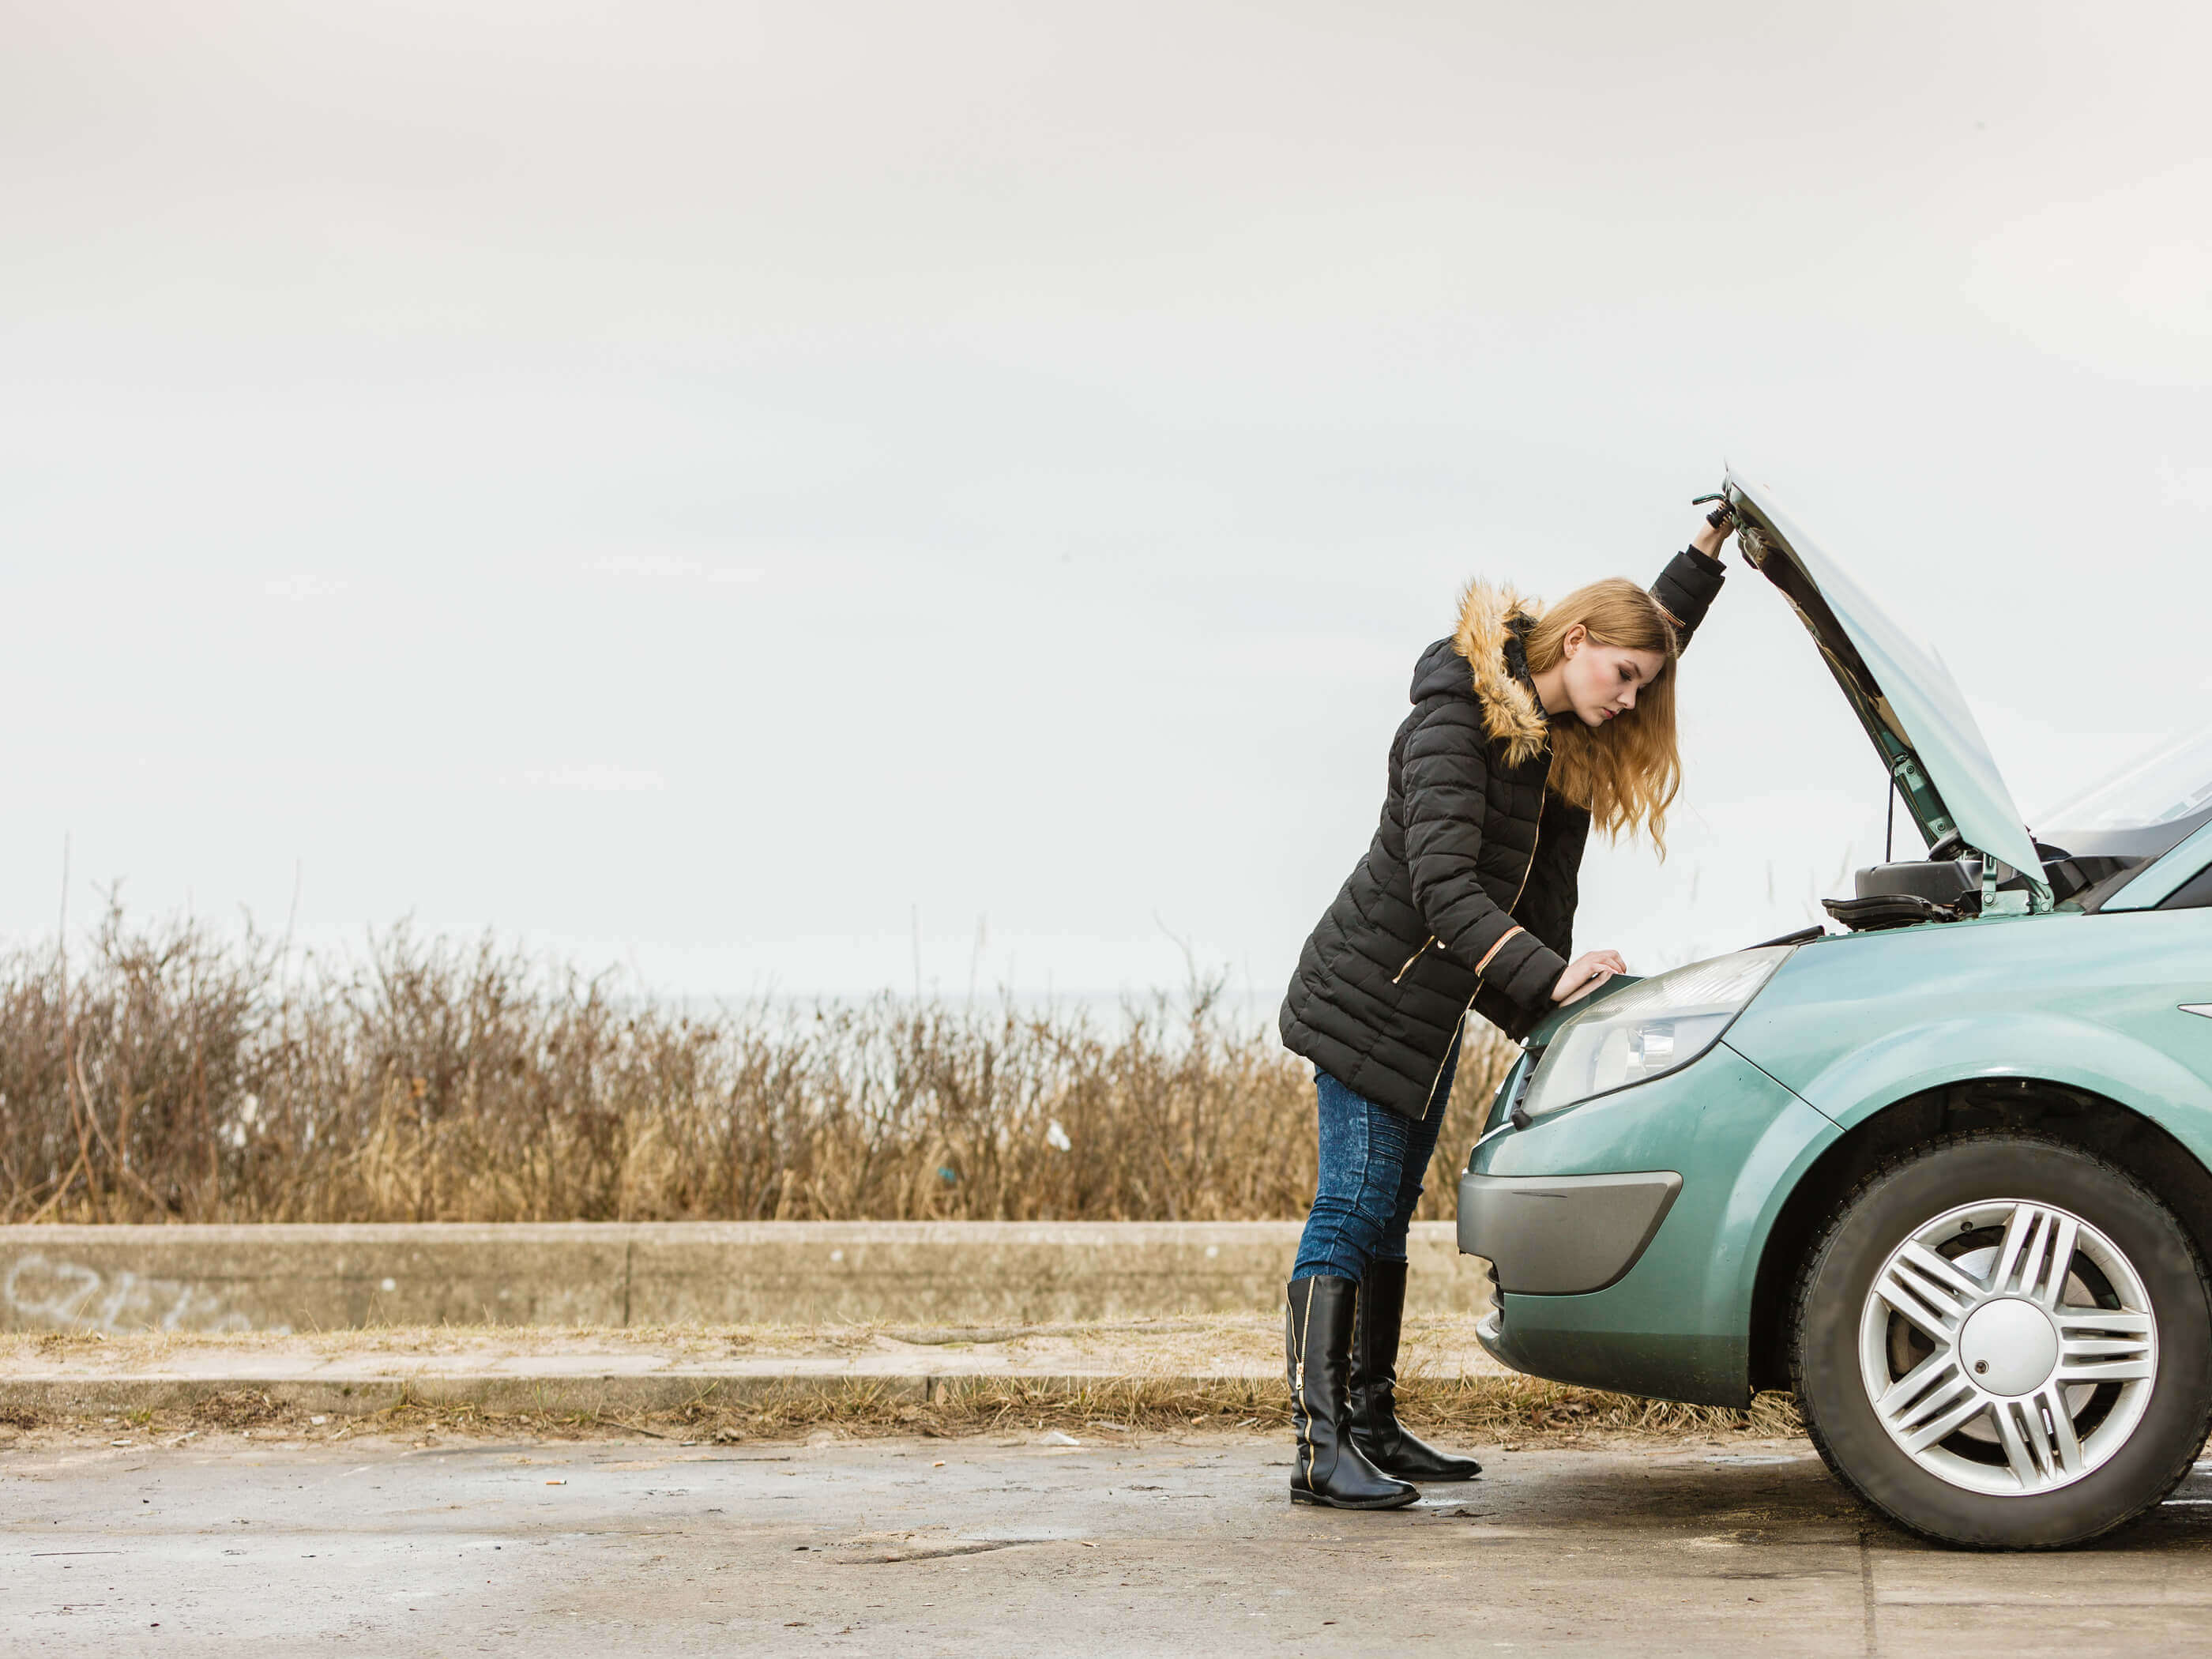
{"points": [[1658, 1026]]}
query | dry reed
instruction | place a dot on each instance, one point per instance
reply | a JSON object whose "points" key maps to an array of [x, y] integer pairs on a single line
{"points": [[182, 1074]]}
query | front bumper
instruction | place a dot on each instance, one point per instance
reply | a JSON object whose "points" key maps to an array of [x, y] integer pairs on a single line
{"points": [[1562, 1235], [1637, 1275]]}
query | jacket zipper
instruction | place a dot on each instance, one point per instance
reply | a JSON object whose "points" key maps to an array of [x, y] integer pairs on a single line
{"points": [[1414, 958], [1536, 840]]}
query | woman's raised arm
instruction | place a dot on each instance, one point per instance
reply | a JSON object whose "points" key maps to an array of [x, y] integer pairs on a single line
{"points": [[1692, 581]]}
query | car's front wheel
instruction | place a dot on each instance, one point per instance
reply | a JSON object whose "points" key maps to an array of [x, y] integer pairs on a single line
{"points": [[2001, 1341]]}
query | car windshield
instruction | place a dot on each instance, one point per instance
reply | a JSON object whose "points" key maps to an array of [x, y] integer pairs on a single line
{"points": [[2172, 781]]}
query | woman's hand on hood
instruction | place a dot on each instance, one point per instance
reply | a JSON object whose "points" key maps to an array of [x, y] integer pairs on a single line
{"points": [[1586, 973]]}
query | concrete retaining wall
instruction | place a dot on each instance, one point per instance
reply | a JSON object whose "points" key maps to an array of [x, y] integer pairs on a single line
{"points": [[310, 1278]]}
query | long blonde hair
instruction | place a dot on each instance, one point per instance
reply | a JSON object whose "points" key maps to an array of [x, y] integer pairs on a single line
{"points": [[1625, 772]]}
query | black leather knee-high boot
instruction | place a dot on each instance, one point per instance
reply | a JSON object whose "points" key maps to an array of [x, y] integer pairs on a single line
{"points": [[1375, 1426], [1317, 1338]]}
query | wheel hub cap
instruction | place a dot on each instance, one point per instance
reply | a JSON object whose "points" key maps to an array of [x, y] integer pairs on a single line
{"points": [[2010, 1347]]}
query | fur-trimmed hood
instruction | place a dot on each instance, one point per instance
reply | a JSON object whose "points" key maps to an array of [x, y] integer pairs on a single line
{"points": [[1484, 659]]}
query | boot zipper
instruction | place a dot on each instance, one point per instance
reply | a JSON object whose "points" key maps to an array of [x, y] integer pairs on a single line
{"points": [[1534, 842], [1305, 1333], [1414, 958]]}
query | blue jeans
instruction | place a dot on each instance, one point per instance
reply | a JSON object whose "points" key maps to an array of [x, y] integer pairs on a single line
{"points": [[1372, 1164]]}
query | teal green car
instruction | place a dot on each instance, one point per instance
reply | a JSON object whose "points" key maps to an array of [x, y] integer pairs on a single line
{"points": [[1941, 1172]]}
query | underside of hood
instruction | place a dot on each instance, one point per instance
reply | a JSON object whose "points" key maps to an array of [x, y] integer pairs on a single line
{"points": [[1911, 707]]}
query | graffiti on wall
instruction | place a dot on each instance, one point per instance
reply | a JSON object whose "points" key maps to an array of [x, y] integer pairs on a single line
{"points": [[39, 1293]]}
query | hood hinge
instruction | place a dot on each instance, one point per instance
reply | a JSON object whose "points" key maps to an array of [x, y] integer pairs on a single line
{"points": [[2035, 901]]}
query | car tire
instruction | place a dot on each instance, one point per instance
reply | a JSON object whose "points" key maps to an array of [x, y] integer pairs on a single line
{"points": [[2027, 1454]]}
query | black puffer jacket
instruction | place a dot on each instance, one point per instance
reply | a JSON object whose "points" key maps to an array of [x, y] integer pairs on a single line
{"points": [[1465, 898]]}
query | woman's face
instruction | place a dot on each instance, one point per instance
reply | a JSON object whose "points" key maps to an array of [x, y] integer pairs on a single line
{"points": [[1602, 680]]}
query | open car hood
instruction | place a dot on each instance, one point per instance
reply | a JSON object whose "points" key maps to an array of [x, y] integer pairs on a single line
{"points": [[1911, 707]]}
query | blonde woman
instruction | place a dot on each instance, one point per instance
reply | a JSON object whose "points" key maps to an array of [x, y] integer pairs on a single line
{"points": [[1529, 726]]}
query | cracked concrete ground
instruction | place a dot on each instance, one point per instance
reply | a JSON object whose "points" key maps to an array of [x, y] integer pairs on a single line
{"points": [[1126, 1544]]}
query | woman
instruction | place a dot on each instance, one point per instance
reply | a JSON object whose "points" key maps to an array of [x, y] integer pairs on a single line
{"points": [[1528, 724]]}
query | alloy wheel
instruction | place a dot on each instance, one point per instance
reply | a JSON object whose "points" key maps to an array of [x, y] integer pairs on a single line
{"points": [[2009, 1347]]}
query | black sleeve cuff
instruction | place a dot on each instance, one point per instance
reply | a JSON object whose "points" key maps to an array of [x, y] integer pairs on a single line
{"points": [[1528, 976], [1688, 588], [1532, 986]]}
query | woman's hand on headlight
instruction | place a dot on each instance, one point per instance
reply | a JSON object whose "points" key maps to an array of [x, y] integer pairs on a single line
{"points": [[1586, 973]]}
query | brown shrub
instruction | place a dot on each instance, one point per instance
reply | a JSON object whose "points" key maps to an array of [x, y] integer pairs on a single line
{"points": [[180, 1074]]}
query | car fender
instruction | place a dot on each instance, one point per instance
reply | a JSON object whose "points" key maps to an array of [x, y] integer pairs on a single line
{"points": [[1786, 1150]]}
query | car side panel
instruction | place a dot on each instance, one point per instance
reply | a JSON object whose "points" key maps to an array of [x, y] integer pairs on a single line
{"points": [[1853, 1024], [1677, 1325]]}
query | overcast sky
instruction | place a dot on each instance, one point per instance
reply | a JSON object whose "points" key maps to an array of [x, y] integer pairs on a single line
{"points": [[702, 487]]}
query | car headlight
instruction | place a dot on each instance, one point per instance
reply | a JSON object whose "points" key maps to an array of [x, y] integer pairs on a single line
{"points": [[1649, 1029]]}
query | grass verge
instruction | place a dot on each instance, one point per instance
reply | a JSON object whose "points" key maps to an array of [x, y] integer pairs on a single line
{"points": [[1515, 1411], [1487, 1408]]}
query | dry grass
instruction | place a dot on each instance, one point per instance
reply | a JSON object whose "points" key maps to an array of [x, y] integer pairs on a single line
{"points": [[177, 1074], [1515, 1411], [1488, 1410]]}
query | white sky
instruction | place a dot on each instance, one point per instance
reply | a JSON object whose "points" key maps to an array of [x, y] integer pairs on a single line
{"points": [[701, 486]]}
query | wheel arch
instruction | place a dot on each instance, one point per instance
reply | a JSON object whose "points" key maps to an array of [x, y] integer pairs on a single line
{"points": [[2094, 1121]]}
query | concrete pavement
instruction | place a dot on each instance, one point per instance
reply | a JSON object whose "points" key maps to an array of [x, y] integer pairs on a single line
{"points": [[1124, 1544]]}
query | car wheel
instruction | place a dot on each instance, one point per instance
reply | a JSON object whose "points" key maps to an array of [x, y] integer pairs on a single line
{"points": [[2000, 1341]]}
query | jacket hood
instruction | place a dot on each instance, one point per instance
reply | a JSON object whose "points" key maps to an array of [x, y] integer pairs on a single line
{"points": [[1482, 660]]}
